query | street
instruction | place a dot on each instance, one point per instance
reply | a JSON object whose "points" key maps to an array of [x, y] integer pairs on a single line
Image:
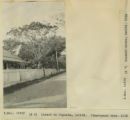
{"points": [[50, 93]]}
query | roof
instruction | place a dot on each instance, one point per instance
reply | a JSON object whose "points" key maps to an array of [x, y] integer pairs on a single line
{"points": [[7, 56]]}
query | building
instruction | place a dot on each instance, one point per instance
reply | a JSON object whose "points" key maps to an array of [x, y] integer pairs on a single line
{"points": [[11, 61]]}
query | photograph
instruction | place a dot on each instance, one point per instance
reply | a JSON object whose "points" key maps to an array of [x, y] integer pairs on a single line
{"points": [[34, 55], [64, 60]]}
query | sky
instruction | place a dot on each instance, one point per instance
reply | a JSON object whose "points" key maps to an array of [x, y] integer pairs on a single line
{"points": [[16, 14]]}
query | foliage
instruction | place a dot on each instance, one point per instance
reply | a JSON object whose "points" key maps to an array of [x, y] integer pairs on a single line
{"points": [[39, 43]]}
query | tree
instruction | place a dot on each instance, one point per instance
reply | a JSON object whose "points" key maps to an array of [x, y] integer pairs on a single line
{"points": [[56, 45], [40, 44]]}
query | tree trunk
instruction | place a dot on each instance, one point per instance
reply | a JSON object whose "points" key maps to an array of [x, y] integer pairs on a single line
{"points": [[44, 72], [57, 63]]}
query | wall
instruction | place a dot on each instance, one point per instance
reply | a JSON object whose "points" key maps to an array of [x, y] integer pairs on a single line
{"points": [[12, 77]]}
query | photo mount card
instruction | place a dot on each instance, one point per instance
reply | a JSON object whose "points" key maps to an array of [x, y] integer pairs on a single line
{"points": [[64, 59]]}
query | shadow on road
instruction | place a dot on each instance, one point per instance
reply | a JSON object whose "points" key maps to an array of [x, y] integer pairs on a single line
{"points": [[19, 86]]}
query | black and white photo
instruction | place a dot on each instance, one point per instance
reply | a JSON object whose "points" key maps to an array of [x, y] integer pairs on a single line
{"points": [[34, 55]]}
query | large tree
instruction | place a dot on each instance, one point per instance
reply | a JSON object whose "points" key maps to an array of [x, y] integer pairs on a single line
{"points": [[40, 44]]}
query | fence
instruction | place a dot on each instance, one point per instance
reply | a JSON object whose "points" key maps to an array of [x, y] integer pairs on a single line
{"points": [[12, 77]]}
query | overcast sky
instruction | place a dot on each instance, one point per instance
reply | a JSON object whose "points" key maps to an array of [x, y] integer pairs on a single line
{"points": [[16, 14]]}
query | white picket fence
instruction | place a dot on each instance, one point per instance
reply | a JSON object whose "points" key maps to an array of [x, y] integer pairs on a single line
{"points": [[15, 76]]}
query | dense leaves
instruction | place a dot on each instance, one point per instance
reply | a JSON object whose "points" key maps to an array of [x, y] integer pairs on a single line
{"points": [[39, 44]]}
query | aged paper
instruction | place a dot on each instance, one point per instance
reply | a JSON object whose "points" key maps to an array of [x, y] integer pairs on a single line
{"points": [[64, 59]]}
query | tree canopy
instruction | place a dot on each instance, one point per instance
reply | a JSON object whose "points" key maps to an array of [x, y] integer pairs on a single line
{"points": [[39, 43]]}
